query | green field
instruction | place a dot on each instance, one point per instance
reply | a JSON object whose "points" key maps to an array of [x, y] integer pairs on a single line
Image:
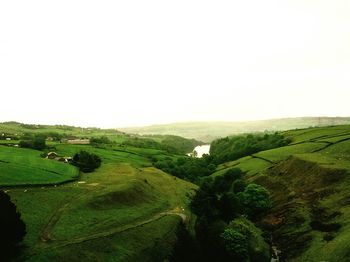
{"points": [[124, 199], [19, 166]]}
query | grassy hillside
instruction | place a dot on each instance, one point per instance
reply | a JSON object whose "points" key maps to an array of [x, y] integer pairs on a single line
{"points": [[20, 166], [310, 186], [125, 210], [208, 131], [117, 198]]}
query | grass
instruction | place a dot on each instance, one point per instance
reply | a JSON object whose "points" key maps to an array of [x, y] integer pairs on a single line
{"points": [[124, 200], [250, 165], [283, 153], [19, 166], [115, 196], [151, 242]]}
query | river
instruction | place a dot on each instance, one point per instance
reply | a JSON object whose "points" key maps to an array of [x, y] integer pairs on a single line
{"points": [[201, 150]]}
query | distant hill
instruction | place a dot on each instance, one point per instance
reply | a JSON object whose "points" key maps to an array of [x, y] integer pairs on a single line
{"points": [[208, 131]]}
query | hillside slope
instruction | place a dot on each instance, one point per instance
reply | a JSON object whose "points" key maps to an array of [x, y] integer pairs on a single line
{"points": [[309, 181], [125, 210]]}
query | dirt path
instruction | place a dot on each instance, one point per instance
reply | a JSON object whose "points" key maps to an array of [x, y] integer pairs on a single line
{"points": [[46, 232], [58, 243], [45, 235]]}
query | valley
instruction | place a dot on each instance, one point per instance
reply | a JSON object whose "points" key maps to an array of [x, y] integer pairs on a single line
{"points": [[132, 207]]}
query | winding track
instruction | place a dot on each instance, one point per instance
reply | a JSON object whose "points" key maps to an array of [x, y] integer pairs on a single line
{"points": [[63, 243]]}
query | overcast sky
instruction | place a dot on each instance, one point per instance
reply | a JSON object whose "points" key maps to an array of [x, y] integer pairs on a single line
{"points": [[126, 63]]}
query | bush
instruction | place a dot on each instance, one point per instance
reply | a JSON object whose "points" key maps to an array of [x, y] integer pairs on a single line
{"points": [[87, 162]]}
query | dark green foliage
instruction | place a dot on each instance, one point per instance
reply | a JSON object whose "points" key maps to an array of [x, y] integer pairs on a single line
{"points": [[141, 142], [229, 206], [215, 199], [236, 245], [178, 145], [187, 168], [37, 143], [12, 228], [255, 199], [87, 162], [232, 148], [208, 236], [185, 248], [244, 241], [238, 186], [170, 144], [100, 140], [221, 200]]}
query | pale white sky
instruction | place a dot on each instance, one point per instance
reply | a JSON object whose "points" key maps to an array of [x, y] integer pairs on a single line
{"points": [[125, 63]]}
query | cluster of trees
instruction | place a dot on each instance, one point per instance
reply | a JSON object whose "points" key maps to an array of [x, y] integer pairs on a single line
{"points": [[141, 142], [169, 143], [100, 140], [87, 162], [221, 150], [12, 229], [188, 168], [225, 207], [232, 148], [35, 142], [178, 144]]}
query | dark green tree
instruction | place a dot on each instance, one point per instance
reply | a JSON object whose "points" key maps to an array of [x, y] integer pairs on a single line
{"points": [[255, 200], [87, 162], [236, 245], [12, 228]]}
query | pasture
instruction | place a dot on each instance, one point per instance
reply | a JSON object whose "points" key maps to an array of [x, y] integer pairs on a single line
{"points": [[20, 166]]}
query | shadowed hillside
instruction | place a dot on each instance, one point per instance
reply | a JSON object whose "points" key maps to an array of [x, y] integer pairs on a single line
{"points": [[310, 187]]}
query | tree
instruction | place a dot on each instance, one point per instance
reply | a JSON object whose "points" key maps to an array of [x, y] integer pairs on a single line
{"points": [[229, 206], [37, 143], [255, 200], [236, 245], [87, 162], [12, 228]]}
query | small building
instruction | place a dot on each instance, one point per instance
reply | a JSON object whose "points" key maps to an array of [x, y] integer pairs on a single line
{"points": [[52, 155], [60, 159], [78, 141]]}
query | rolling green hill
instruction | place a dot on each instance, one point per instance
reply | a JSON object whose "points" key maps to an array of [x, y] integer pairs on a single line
{"points": [[208, 131], [126, 210], [20, 166], [309, 181]]}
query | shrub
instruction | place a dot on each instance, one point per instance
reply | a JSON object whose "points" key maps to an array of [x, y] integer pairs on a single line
{"points": [[87, 162]]}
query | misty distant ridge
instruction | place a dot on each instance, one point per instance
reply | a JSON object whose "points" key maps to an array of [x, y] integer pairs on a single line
{"points": [[200, 130], [208, 131]]}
